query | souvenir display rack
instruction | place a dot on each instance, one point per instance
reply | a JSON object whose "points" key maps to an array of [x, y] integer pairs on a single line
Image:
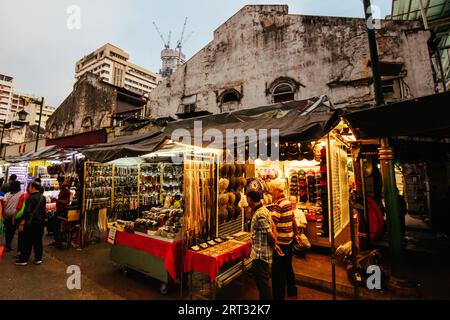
{"points": [[125, 192], [171, 183], [184, 215], [308, 181], [97, 198], [150, 182], [230, 218]]}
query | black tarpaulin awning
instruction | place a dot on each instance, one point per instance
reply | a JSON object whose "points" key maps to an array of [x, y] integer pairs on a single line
{"points": [[427, 116], [299, 121], [273, 111], [45, 153], [129, 147]]}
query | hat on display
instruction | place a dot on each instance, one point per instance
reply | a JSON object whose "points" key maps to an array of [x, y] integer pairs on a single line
{"points": [[293, 152], [223, 171], [306, 150], [232, 170]]}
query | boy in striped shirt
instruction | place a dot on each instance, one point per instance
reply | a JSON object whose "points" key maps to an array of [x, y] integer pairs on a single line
{"points": [[283, 216]]}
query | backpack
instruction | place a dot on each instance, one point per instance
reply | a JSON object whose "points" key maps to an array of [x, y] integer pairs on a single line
{"points": [[19, 213]]}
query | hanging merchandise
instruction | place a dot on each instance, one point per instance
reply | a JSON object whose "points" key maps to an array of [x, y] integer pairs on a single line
{"points": [[150, 186], [231, 194], [125, 192], [97, 195], [200, 200], [172, 184], [102, 219]]}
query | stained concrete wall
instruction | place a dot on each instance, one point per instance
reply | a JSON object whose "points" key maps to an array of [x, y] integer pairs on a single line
{"points": [[323, 55], [88, 108]]}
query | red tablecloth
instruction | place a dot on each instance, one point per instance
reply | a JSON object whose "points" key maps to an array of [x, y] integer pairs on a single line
{"points": [[170, 252], [198, 262]]}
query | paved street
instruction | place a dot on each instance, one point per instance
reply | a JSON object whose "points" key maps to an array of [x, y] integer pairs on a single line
{"points": [[102, 279]]}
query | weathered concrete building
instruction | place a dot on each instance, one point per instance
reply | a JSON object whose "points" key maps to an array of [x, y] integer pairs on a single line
{"points": [[263, 55], [92, 109]]}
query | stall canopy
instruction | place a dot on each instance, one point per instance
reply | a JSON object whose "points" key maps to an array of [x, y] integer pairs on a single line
{"points": [[427, 116], [46, 153], [299, 121], [304, 120], [130, 146]]}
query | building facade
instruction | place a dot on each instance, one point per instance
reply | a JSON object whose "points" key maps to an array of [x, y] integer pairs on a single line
{"points": [[6, 95], [113, 66], [92, 109], [264, 55]]}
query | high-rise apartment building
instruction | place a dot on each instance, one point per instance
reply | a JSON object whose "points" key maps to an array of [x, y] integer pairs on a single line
{"points": [[113, 66], [12, 102], [6, 95]]}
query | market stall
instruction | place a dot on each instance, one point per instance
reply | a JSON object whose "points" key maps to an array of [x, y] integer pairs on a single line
{"points": [[154, 207], [317, 180], [48, 164]]}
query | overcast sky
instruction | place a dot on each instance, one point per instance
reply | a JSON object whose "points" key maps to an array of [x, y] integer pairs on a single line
{"points": [[39, 50]]}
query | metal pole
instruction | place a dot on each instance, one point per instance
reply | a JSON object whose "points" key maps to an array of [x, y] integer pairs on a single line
{"points": [[331, 217], [441, 69], [424, 15], [386, 159], [379, 99], [364, 195], [1, 140], [392, 206], [39, 125]]}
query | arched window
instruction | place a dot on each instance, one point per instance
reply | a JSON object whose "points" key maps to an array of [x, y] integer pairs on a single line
{"points": [[283, 92], [87, 123], [68, 129], [229, 100], [283, 89], [53, 131]]}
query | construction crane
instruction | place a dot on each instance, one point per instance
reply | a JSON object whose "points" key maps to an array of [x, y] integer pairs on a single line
{"points": [[182, 41], [166, 43]]}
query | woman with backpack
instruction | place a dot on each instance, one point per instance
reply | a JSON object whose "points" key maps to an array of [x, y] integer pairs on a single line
{"points": [[9, 203], [20, 210]]}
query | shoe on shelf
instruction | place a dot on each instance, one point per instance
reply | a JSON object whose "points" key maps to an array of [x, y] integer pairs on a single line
{"points": [[39, 262], [21, 263]]}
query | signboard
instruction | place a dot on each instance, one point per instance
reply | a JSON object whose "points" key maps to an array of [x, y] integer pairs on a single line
{"points": [[22, 175], [112, 235]]}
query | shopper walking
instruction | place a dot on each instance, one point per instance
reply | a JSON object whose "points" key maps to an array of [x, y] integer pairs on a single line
{"points": [[32, 226], [62, 204], [6, 187], [283, 277], [20, 209], [9, 204], [263, 244]]}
